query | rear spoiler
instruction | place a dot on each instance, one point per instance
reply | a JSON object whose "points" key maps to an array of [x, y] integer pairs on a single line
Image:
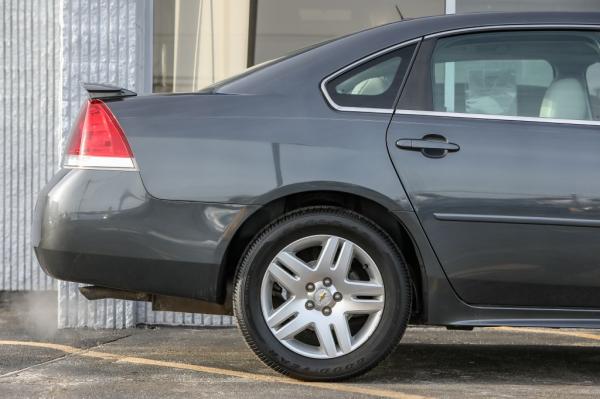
{"points": [[104, 91]]}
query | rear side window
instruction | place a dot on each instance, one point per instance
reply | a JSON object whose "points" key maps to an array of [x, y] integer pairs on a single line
{"points": [[545, 74], [373, 84]]}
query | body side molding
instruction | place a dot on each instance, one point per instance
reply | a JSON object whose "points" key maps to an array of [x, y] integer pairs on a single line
{"points": [[460, 217]]}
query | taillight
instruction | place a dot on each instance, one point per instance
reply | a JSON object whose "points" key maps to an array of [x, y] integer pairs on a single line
{"points": [[98, 142]]}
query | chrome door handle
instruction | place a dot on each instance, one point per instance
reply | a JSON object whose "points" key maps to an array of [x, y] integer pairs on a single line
{"points": [[420, 144]]}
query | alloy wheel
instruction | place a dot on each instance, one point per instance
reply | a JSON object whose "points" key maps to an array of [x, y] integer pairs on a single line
{"points": [[322, 296]]}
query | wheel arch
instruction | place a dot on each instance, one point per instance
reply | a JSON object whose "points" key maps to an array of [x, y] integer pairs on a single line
{"points": [[374, 209]]}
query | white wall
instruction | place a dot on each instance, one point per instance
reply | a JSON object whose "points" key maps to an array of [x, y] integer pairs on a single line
{"points": [[29, 122]]}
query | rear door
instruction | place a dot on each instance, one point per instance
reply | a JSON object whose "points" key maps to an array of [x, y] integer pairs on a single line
{"points": [[496, 140]]}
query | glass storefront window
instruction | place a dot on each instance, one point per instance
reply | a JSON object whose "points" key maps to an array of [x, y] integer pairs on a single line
{"points": [[283, 26], [197, 42]]}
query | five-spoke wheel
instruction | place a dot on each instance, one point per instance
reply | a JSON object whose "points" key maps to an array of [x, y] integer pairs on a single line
{"points": [[317, 285]]}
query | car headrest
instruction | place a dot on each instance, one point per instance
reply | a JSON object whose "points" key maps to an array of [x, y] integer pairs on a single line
{"points": [[371, 87], [565, 99]]}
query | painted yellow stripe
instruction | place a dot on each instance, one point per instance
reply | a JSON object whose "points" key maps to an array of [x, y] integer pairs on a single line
{"points": [[576, 334], [353, 389]]}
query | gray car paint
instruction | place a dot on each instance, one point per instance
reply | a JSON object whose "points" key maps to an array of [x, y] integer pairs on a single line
{"points": [[250, 141], [102, 228], [506, 169], [241, 149], [513, 214]]}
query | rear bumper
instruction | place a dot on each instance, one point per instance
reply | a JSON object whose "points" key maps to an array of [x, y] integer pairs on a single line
{"points": [[102, 228]]}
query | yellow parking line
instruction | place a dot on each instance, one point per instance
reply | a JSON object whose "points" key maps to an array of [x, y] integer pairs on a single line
{"points": [[383, 393], [576, 334]]}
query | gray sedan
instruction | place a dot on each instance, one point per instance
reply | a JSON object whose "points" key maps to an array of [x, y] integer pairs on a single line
{"points": [[440, 171]]}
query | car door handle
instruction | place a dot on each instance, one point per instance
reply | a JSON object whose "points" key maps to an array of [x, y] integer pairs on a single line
{"points": [[431, 145], [420, 144]]}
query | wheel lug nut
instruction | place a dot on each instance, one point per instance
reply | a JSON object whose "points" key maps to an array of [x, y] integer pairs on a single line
{"points": [[327, 282], [326, 311], [309, 305], [337, 296], [310, 287]]}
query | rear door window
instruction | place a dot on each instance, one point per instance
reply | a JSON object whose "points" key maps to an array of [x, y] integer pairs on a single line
{"points": [[545, 74]]}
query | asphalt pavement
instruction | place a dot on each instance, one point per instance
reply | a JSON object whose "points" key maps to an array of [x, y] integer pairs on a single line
{"points": [[39, 361]]}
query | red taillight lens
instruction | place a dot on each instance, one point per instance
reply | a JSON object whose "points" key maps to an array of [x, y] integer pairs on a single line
{"points": [[98, 141]]}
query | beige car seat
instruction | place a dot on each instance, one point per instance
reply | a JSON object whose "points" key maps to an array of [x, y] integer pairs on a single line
{"points": [[566, 99]]}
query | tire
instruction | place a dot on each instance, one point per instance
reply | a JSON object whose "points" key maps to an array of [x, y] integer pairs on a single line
{"points": [[311, 354]]}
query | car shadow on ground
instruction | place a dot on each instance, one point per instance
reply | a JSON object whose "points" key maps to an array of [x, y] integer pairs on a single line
{"points": [[489, 364]]}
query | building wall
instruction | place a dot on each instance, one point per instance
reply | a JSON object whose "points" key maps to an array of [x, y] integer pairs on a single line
{"points": [[29, 120]]}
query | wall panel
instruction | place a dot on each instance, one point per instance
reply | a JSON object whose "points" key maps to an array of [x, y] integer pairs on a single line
{"points": [[30, 121]]}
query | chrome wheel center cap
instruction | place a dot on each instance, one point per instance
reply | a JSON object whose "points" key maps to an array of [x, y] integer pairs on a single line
{"points": [[323, 297]]}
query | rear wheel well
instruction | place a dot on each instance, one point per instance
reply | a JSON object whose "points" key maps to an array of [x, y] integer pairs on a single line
{"points": [[366, 207]]}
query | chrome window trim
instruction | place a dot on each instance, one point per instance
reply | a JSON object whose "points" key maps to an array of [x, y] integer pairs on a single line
{"points": [[511, 27], [496, 117], [355, 64]]}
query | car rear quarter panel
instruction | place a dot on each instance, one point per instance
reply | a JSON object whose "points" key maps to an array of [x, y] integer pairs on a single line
{"points": [[250, 149]]}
